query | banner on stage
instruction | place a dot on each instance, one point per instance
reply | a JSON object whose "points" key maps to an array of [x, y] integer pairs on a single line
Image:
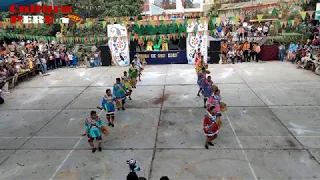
{"points": [[197, 40], [119, 45], [163, 57]]}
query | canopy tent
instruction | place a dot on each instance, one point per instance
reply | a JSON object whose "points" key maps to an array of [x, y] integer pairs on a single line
{"points": [[5, 4]]}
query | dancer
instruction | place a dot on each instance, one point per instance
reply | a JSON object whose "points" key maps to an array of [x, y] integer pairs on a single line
{"points": [[107, 104], [200, 64], [138, 64], [207, 90], [201, 80], [92, 128], [210, 126], [214, 100], [133, 75], [119, 91], [126, 81]]}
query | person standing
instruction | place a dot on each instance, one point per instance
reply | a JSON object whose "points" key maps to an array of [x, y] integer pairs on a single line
{"points": [[43, 64], [108, 101], [281, 52], [256, 51], [92, 127], [246, 47], [57, 58], [119, 91], [97, 58], [240, 33]]}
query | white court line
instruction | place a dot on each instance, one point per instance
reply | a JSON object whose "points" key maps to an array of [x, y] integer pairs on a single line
{"points": [[241, 147], [65, 159], [44, 137], [76, 137]]}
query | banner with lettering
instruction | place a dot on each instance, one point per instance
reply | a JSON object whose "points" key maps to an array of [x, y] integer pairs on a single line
{"points": [[197, 38], [119, 45]]}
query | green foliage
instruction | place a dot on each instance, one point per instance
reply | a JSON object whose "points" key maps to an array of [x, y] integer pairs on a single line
{"points": [[287, 38], [89, 8]]}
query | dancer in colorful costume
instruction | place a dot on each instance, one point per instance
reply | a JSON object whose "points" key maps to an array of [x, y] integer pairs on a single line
{"points": [[138, 64], [133, 72], [119, 91], [107, 104], [207, 90], [214, 100], [126, 81], [92, 129], [210, 126], [201, 80]]}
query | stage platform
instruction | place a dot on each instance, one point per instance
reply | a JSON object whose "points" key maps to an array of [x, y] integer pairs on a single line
{"points": [[163, 57]]}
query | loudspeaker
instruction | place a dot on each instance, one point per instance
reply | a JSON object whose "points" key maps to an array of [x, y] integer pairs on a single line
{"points": [[105, 55], [182, 43], [133, 45], [214, 57], [215, 45]]}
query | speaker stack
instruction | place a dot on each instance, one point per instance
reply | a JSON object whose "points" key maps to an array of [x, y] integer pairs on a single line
{"points": [[214, 51], [105, 55]]}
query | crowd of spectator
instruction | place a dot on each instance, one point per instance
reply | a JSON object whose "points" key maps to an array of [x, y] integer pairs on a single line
{"points": [[18, 57]]}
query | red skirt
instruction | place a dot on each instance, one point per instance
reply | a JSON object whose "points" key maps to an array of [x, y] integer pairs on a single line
{"points": [[212, 130]]}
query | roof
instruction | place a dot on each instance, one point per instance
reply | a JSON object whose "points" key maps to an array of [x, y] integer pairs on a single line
{"points": [[5, 4], [247, 4]]}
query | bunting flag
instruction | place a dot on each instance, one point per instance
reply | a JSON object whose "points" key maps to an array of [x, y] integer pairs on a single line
{"points": [[236, 20], [310, 13], [213, 20], [242, 18], [218, 21], [303, 14], [274, 11], [50, 38], [260, 16]]}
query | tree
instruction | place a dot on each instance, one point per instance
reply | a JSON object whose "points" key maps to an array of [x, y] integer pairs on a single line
{"points": [[88, 8]]}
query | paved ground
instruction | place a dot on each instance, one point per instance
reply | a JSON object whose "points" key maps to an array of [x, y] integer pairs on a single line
{"points": [[270, 131]]}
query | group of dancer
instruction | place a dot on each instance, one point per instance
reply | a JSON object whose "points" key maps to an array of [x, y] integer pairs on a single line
{"points": [[212, 101], [112, 100]]}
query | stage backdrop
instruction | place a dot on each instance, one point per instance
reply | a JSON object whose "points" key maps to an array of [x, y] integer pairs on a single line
{"points": [[118, 43], [198, 40]]}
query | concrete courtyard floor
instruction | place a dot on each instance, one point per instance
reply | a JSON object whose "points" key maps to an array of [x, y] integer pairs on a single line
{"points": [[270, 131]]}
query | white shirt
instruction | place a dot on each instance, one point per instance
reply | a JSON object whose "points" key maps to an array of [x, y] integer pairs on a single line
{"points": [[70, 57], [43, 60], [265, 29]]}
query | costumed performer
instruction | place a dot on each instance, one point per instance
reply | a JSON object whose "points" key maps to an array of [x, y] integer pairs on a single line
{"points": [[210, 126], [214, 100], [119, 91], [207, 90], [201, 80], [92, 129], [133, 72], [200, 64], [126, 81], [108, 102], [149, 45], [138, 64], [198, 56], [164, 44]]}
